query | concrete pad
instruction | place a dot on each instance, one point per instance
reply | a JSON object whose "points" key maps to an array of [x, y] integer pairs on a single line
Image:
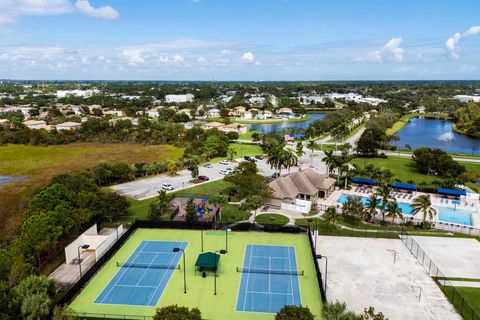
{"points": [[455, 257], [362, 273]]}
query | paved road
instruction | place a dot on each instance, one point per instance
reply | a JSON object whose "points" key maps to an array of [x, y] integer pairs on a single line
{"points": [[149, 187], [456, 158]]}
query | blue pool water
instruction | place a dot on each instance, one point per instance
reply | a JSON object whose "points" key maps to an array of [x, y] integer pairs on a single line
{"points": [[459, 216], [406, 208], [445, 214]]}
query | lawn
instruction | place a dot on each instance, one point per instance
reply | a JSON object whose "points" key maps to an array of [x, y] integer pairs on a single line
{"points": [[199, 289], [231, 212], [248, 135], [405, 170], [272, 218], [40, 163], [243, 149], [472, 299]]}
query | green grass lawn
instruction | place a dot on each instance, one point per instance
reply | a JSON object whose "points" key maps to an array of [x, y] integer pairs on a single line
{"points": [[471, 297], [272, 218], [232, 212], [200, 290], [208, 189], [405, 170], [248, 135]]}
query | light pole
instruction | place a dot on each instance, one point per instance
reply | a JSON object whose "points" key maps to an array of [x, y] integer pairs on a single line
{"points": [[84, 247], [201, 235], [184, 270], [226, 238], [315, 232], [215, 270], [326, 271]]}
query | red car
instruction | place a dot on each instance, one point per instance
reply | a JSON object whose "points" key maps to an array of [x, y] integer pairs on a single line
{"points": [[203, 178]]}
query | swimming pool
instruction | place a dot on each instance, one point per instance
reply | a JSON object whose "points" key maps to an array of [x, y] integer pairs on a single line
{"points": [[406, 208], [458, 216], [445, 214]]}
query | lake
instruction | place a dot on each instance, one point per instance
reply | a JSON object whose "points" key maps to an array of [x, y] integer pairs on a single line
{"points": [[7, 179], [437, 134], [276, 127]]}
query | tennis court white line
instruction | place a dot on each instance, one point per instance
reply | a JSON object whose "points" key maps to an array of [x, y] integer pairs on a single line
{"points": [[144, 243], [134, 286], [270, 257], [165, 273], [157, 252], [276, 293], [248, 279], [291, 278]]}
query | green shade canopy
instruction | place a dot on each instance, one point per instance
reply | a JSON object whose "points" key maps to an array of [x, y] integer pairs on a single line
{"points": [[207, 260]]}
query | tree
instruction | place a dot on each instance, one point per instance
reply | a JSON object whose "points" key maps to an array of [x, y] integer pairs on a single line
{"points": [[299, 149], [36, 293], [252, 203], [218, 201], [383, 191], [331, 217], [353, 208], [424, 205], [158, 208], [372, 204], [294, 313], [177, 313], [190, 214], [330, 161], [194, 171], [438, 162], [311, 146], [394, 211], [247, 181], [231, 153]]}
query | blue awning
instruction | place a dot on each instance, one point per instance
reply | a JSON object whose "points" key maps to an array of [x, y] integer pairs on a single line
{"points": [[405, 186], [364, 181], [451, 192]]}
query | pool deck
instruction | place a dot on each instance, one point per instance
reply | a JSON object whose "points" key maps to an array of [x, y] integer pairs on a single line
{"points": [[437, 201]]}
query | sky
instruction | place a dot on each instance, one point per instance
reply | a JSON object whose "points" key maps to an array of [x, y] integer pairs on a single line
{"points": [[229, 40]]}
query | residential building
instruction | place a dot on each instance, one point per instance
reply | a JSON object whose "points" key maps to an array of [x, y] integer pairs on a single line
{"points": [[68, 126], [25, 111], [296, 191], [35, 124], [114, 113], [179, 98], [4, 122], [467, 98], [234, 127], [152, 112], [78, 93], [285, 112], [212, 125], [213, 113], [133, 121]]}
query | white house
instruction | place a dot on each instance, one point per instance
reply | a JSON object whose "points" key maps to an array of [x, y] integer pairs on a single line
{"points": [[467, 98], [285, 112], [77, 93], [68, 126], [179, 98], [114, 113], [213, 113], [152, 112], [25, 111], [35, 124], [315, 99]]}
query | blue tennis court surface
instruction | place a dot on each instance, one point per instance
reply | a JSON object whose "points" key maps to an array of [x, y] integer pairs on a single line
{"points": [[144, 276], [264, 287]]}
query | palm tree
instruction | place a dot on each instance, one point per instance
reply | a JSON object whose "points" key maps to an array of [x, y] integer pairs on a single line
{"points": [[274, 157], [218, 201], [299, 149], [394, 211], [289, 159], [330, 160], [383, 192], [423, 204], [331, 217], [311, 146], [372, 204]]}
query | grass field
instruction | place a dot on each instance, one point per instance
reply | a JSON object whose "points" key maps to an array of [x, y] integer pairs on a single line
{"points": [[40, 163], [200, 290], [471, 296], [404, 169], [272, 218], [248, 135]]}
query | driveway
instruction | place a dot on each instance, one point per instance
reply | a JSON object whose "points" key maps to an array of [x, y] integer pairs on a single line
{"points": [[149, 187]]}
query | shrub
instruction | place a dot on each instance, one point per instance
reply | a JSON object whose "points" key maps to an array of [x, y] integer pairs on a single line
{"points": [[177, 313], [294, 313]]}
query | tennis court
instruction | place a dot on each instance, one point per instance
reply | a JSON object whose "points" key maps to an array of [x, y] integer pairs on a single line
{"points": [[140, 281], [269, 280]]}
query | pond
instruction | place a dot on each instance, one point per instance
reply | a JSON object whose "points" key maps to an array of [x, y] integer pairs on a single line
{"points": [[7, 179], [438, 134], [276, 127]]}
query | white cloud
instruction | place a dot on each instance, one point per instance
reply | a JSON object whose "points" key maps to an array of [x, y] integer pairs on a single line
{"points": [[391, 51], [472, 31], [451, 43], [248, 57], [106, 12], [202, 60], [134, 56], [178, 58], [226, 52], [12, 10]]}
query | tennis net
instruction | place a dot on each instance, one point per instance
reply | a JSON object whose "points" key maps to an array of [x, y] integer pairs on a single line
{"points": [[271, 271], [147, 265]]}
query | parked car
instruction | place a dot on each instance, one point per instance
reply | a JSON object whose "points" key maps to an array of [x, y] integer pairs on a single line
{"points": [[229, 169], [224, 172], [203, 178], [259, 157], [247, 158], [224, 162], [275, 175], [167, 186], [208, 165]]}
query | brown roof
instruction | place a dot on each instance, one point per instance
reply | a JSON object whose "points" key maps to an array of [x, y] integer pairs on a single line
{"points": [[307, 182], [214, 124]]}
